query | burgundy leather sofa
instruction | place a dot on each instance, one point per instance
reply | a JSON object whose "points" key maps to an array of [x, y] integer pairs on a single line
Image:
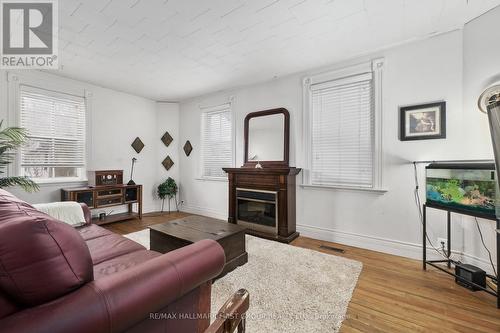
{"points": [[55, 278]]}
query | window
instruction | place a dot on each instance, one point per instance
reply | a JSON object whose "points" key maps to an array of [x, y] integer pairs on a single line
{"points": [[343, 136], [217, 141], [56, 130]]}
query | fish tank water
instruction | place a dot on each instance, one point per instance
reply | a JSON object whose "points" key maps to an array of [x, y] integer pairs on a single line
{"points": [[466, 188]]}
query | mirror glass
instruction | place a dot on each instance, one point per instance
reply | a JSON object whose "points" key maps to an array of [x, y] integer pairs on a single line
{"points": [[266, 138]]}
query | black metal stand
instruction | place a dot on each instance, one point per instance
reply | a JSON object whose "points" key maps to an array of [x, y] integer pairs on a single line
{"points": [[176, 203], [434, 263]]}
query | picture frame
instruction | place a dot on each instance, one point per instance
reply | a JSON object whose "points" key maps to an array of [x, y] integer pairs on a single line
{"points": [[422, 122]]}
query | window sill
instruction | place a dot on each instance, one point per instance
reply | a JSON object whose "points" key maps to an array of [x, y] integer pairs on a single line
{"points": [[344, 188], [60, 182], [215, 179]]}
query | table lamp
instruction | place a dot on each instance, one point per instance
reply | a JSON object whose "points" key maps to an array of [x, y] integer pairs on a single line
{"points": [[131, 182]]}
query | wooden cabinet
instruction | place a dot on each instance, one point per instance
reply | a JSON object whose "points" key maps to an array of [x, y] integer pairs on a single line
{"points": [[108, 196]]}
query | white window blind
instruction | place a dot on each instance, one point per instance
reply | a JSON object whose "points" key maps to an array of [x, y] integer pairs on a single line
{"points": [[56, 129], [217, 142], [343, 132]]}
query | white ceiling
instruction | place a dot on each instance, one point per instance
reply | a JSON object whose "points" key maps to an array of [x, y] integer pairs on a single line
{"points": [[176, 49]]}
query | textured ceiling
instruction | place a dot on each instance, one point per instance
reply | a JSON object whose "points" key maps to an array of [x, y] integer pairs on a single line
{"points": [[176, 49]]}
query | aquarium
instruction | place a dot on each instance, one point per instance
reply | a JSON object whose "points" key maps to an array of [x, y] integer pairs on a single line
{"points": [[465, 188]]}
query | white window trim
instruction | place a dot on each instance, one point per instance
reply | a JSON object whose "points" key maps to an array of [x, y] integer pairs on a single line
{"points": [[58, 84], [214, 108], [376, 68]]}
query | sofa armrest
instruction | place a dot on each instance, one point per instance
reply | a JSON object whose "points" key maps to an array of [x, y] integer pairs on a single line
{"points": [[146, 288], [87, 214], [117, 302]]}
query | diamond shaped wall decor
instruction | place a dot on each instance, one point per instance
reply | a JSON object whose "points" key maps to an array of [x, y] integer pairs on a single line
{"points": [[167, 139], [188, 148], [167, 163], [137, 145]]}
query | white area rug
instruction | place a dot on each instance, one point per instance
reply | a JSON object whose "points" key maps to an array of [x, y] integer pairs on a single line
{"points": [[292, 290]]}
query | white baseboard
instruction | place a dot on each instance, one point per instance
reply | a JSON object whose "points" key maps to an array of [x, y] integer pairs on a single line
{"points": [[384, 245], [479, 262], [203, 211], [390, 246], [151, 209]]}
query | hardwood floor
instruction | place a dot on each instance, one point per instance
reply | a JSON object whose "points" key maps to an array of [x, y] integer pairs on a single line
{"points": [[393, 294]]}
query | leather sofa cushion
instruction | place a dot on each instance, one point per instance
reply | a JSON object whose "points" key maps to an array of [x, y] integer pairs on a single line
{"points": [[93, 231], [112, 253], [111, 246], [122, 263], [42, 258]]}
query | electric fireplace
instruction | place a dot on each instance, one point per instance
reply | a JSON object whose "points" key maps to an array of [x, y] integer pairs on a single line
{"points": [[262, 192], [257, 209], [263, 201]]}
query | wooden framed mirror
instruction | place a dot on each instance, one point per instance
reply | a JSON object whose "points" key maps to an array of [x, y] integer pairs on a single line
{"points": [[267, 138]]}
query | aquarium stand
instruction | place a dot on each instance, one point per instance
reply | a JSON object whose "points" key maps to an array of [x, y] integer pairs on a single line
{"points": [[448, 261]]}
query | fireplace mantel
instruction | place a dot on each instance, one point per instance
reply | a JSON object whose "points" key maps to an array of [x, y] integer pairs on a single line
{"points": [[279, 180]]}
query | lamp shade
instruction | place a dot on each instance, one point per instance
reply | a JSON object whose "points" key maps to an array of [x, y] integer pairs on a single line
{"points": [[489, 96]]}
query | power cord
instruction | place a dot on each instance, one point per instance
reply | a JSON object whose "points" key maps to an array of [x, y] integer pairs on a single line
{"points": [[486, 248], [420, 213]]}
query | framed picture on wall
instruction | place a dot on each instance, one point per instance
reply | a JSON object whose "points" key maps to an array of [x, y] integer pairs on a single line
{"points": [[423, 122]]}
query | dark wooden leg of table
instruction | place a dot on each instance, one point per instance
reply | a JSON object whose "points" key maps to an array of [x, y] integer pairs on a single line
{"points": [[139, 203], [448, 231]]}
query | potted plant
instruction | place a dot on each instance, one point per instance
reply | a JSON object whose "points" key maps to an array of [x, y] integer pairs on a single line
{"points": [[11, 138], [167, 190]]}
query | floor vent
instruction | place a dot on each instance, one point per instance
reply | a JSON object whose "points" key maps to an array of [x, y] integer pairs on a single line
{"points": [[331, 248]]}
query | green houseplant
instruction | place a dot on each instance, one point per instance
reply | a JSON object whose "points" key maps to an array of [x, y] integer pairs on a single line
{"points": [[167, 190], [11, 138]]}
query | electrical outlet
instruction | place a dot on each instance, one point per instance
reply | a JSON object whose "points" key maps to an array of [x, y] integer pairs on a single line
{"points": [[442, 243]]}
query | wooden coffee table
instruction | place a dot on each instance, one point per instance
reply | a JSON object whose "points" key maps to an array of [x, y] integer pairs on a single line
{"points": [[175, 234]]}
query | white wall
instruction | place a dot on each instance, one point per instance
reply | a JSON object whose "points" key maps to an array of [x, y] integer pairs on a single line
{"points": [[481, 69], [423, 71], [198, 195], [116, 120], [168, 120]]}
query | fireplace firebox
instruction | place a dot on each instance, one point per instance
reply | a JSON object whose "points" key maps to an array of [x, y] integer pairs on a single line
{"points": [[257, 209]]}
